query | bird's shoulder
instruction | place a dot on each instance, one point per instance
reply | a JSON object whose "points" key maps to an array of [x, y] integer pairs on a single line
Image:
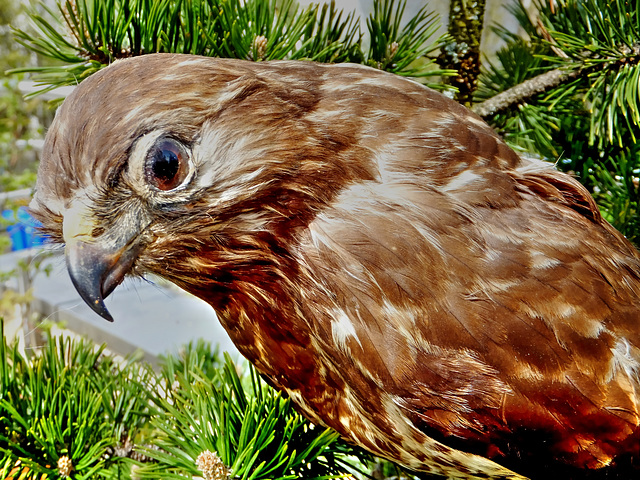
{"points": [[495, 311]]}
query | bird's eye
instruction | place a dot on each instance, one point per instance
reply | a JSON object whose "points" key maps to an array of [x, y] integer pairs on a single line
{"points": [[167, 165]]}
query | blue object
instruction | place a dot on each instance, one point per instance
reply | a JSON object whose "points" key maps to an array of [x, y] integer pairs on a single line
{"points": [[23, 229]]}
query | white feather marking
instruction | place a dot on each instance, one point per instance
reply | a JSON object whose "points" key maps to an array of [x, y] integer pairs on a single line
{"points": [[540, 261], [494, 285], [319, 238], [219, 159], [476, 120], [342, 329], [135, 113], [533, 165], [623, 359], [565, 311], [53, 203], [191, 61], [463, 179]]}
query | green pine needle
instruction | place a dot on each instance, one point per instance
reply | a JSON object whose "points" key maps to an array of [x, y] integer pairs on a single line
{"points": [[70, 400], [72, 403], [254, 430], [83, 36], [602, 39], [588, 126]]}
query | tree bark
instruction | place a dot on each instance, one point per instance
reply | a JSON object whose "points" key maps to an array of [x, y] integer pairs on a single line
{"points": [[466, 19]]}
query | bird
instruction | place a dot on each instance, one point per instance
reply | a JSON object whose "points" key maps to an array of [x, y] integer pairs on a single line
{"points": [[374, 248]]}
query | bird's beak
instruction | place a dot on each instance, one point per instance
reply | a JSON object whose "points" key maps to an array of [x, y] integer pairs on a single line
{"points": [[96, 266]]}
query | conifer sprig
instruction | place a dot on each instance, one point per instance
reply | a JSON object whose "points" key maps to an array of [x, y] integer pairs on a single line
{"points": [[73, 411], [63, 410], [236, 426], [587, 121], [86, 35]]}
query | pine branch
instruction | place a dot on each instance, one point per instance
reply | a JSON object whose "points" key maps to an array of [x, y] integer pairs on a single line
{"points": [[83, 38], [524, 91]]}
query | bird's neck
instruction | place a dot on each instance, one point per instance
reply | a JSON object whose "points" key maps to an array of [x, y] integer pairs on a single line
{"points": [[254, 296]]}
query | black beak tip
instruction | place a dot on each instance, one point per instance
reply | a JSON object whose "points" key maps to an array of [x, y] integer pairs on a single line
{"points": [[100, 308], [94, 300]]}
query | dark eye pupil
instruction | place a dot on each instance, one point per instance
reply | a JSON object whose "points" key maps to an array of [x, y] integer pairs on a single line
{"points": [[167, 164]]}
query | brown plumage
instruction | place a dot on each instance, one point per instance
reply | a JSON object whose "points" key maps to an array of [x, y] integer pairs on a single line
{"points": [[374, 248]]}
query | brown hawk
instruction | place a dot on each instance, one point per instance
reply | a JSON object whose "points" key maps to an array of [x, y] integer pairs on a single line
{"points": [[374, 248]]}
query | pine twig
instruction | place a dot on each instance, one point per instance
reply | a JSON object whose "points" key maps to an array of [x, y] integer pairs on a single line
{"points": [[523, 91]]}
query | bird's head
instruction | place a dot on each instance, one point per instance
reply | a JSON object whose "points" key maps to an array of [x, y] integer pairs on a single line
{"points": [[187, 167]]}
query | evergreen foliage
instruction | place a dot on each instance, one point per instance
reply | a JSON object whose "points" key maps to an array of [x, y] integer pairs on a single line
{"points": [[86, 35], [69, 405], [255, 431], [74, 411], [588, 123]]}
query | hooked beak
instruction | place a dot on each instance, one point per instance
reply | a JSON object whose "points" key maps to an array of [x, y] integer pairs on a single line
{"points": [[96, 271], [96, 265]]}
